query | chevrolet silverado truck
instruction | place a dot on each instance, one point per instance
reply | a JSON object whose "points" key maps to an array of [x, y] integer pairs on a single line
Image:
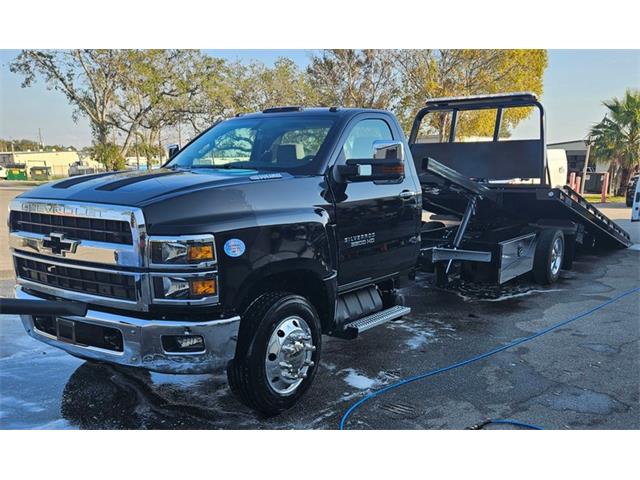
{"points": [[272, 229]]}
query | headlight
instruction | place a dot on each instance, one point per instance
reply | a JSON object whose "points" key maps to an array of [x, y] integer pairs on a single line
{"points": [[187, 250], [177, 287]]}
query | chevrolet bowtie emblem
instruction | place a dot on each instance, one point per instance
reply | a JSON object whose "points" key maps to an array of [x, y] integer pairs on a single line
{"points": [[58, 245]]}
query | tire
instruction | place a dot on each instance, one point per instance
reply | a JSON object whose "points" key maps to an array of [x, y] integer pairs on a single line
{"points": [[255, 374], [547, 261]]}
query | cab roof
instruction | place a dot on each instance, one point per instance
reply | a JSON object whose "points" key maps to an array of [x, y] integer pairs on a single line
{"points": [[335, 112]]}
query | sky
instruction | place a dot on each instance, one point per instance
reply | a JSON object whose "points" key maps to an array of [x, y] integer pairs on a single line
{"points": [[575, 84]]}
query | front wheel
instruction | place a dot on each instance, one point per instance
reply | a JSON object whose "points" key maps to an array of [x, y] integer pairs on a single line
{"points": [[278, 351]]}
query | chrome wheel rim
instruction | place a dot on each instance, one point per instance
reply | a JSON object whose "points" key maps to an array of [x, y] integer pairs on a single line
{"points": [[289, 353], [556, 255]]}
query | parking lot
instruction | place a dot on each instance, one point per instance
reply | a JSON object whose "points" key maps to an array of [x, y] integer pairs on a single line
{"points": [[585, 375]]}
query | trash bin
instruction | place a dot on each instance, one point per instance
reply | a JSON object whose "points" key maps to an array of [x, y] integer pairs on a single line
{"points": [[40, 173], [16, 172]]}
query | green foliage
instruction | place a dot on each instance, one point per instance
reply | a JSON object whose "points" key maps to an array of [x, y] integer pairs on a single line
{"points": [[617, 137], [23, 145], [450, 73], [110, 155], [355, 78], [133, 94]]}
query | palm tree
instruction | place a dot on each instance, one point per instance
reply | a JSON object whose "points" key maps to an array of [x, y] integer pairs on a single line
{"points": [[617, 137]]}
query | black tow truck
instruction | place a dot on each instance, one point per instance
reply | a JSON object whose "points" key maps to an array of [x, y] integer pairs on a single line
{"points": [[272, 229]]}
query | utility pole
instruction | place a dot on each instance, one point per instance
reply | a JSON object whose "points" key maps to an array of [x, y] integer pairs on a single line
{"points": [[180, 134], [40, 139], [160, 152]]}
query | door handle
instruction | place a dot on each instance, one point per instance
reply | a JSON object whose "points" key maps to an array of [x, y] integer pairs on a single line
{"points": [[406, 194]]}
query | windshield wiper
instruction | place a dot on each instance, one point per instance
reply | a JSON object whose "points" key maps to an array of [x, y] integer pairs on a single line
{"points": [[226, 166]]}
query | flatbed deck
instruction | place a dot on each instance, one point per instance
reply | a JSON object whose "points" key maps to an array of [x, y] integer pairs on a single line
{"points": [[529, 204]]}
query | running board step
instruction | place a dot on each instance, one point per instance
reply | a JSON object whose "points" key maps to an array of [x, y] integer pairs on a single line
{"points": [[363, 324]]}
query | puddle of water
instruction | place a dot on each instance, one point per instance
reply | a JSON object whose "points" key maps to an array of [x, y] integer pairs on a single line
{"points": [[423, 330], [358, 380], [581, 401], [496, 293]]}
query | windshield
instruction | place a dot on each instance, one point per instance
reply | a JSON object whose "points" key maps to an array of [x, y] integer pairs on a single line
{"points": [[273, 143]]}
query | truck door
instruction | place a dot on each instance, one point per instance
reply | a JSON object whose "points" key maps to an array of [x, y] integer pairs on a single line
{"points": [[377, 222]]}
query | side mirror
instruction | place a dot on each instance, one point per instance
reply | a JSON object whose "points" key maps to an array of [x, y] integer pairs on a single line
{"points": [[387, 164], [172, 150]]}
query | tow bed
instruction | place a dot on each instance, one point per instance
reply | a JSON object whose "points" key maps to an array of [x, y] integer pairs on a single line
{"points": [[502, 216]]}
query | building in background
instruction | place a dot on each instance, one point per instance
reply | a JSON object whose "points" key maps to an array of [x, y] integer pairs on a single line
{"points": [[52, 164], [576, 151]]}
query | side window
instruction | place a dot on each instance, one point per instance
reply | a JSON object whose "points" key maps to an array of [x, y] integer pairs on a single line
{"points": [[359, 143]]}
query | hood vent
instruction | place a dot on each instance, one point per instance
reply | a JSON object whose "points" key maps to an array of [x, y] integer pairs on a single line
{"points": [[134, 179], [265, 176], [80, 179]]}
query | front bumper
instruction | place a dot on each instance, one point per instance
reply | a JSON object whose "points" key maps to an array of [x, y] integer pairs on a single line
{"points": [[142, 345]]}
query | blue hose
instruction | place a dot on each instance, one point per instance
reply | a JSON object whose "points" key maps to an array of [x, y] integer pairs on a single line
{"points": [[501, 421], [482, 356]]}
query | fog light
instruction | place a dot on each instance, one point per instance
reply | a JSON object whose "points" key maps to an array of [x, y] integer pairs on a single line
{"points": [[183, 343], [203, 288], [200, 252]]}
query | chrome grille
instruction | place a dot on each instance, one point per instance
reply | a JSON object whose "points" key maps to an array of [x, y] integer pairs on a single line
{"points": [[81, 228], [106, 284], [80, 251]]}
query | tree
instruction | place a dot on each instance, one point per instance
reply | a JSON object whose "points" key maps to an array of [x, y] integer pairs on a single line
{"points": [[214, 100], [403, 80], [133, 95], [616, 138], [88, 78], [23, 145], [121, 92], [355, 78], [110, 155], [231, 88], [444, 73], [281, 85], [156, 85]]}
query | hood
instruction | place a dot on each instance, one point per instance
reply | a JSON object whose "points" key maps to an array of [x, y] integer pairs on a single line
{"points": [[142, 188]]}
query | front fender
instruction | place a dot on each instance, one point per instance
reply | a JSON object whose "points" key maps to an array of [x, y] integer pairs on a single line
{"points": [[291, 241]]}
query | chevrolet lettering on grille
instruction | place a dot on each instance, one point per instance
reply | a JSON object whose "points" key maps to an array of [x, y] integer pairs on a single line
{"points": [[57, 244]]}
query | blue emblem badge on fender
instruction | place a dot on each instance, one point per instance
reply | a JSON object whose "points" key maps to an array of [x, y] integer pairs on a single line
{"points": [[234, 247]]}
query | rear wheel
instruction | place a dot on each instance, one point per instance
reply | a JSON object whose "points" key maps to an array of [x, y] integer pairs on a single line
{"points": [[278, 351], [548, 257]]}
